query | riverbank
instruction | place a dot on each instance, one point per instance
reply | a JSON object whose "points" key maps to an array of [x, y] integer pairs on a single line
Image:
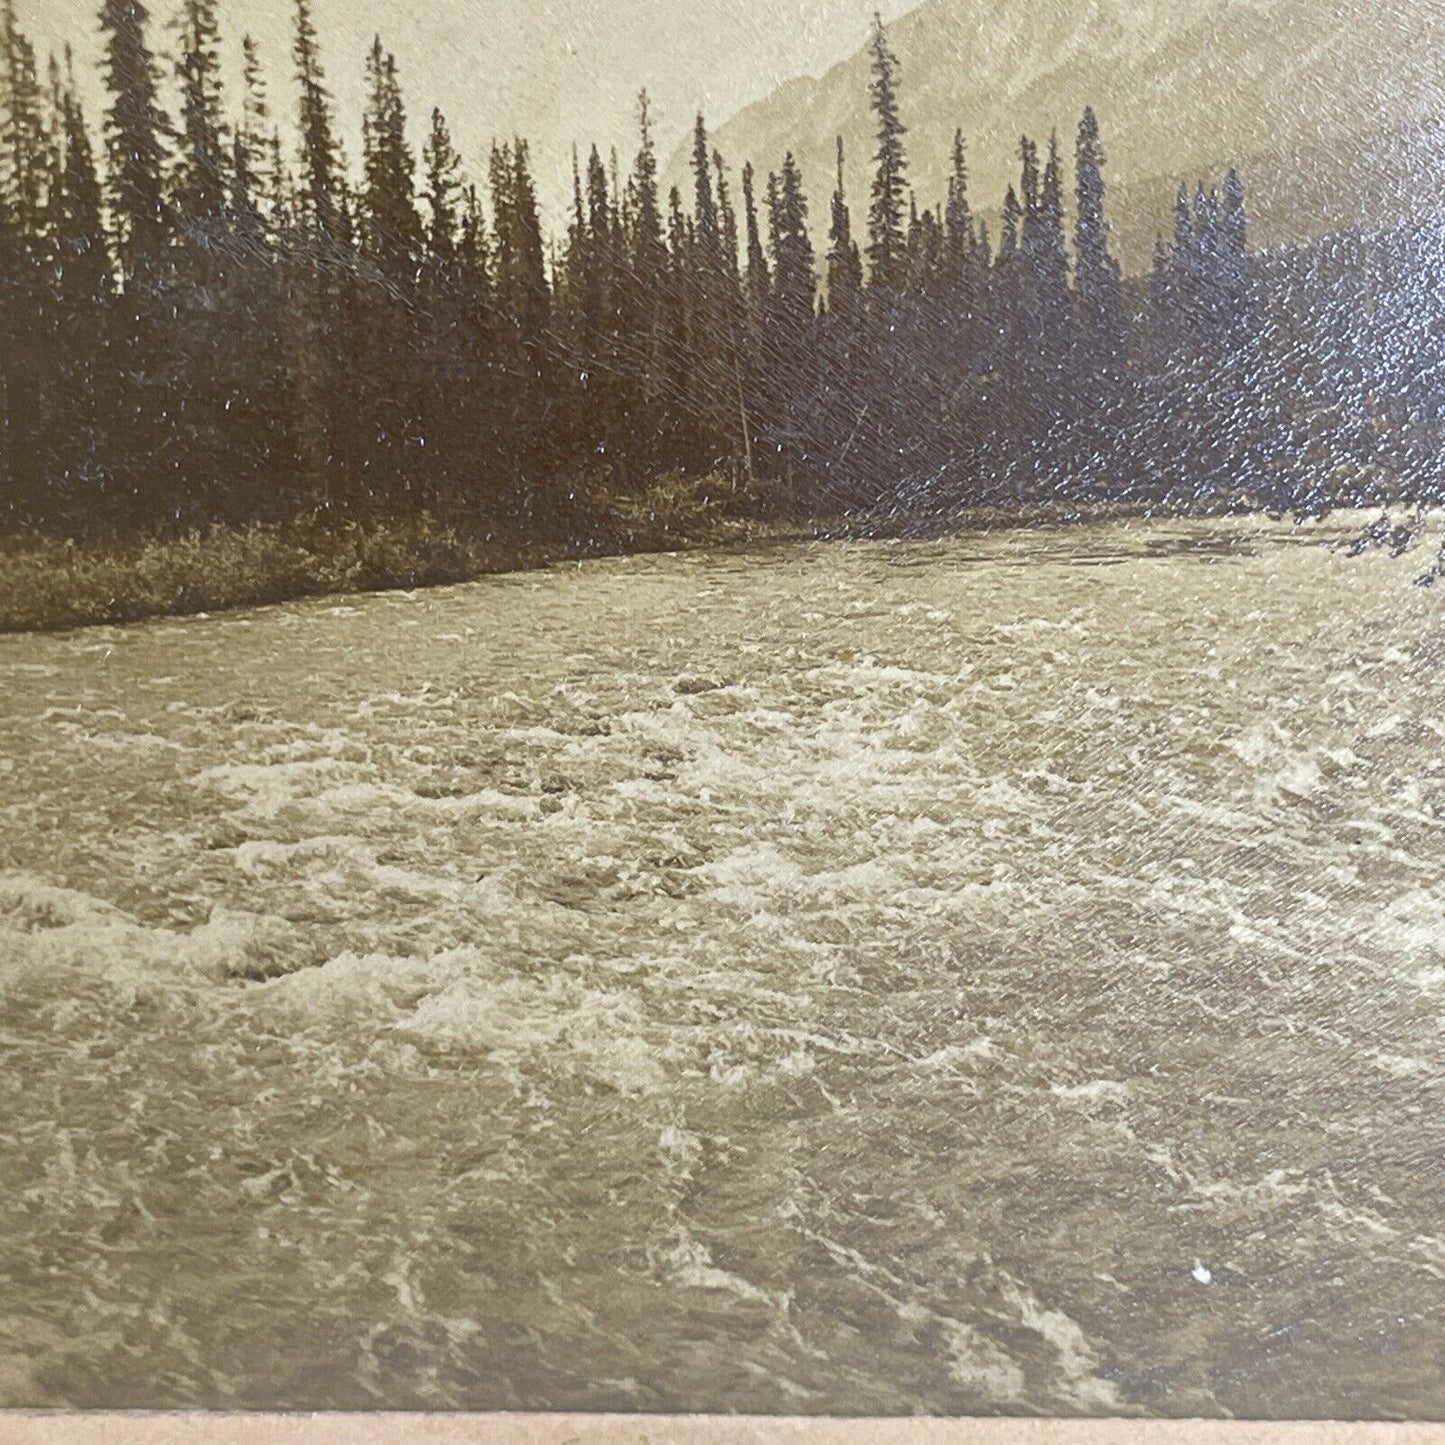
{"points": [[48, 584], [495, 956]]}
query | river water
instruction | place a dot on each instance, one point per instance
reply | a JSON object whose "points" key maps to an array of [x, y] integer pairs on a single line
{"points": [[999, 974]]}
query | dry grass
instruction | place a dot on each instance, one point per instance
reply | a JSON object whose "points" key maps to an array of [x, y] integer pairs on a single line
{"points": [[50, 584]]}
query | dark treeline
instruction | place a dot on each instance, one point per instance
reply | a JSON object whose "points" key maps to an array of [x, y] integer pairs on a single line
{"points": [[200, 322]]}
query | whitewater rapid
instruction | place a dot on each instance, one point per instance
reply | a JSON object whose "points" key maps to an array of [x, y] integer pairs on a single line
{"points": [[989, 974]]}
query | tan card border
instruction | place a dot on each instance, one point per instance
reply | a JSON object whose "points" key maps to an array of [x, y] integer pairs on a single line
{"points": [[139, 1428]]}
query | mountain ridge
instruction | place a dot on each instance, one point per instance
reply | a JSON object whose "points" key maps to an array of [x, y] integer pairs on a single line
{"points": [[1321, 106]]}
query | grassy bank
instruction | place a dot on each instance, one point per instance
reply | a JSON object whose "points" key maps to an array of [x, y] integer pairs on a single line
{"points": [[50, 584]]}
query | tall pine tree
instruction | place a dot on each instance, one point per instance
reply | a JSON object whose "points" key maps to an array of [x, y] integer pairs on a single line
{"points": [[319, 193], [205, 161], [391, 230], [136, 130], [1097, 279], [887, 239], [845, 266]]}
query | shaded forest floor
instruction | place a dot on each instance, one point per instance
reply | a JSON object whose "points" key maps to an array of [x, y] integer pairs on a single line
{"points": [[50, 584]]}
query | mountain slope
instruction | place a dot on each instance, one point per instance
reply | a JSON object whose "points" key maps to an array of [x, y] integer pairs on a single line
{"points": [[1322, 104]]}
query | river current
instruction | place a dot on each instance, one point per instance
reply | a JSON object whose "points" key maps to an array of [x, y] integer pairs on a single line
{"points": [[995, 974]]}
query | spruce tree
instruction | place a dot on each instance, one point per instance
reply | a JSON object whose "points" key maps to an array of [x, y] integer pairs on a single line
{"points": [[1203, 226], [1013, 217], [794, 282], [501, 177], [136, 131], [569, 281], [1096, 271], [1208, 241], [1161, 301], [646, 265], [391, 230], [1234, 257], [25, 160], [682, 404], [319, 193], [925, 253], [599, 204], [82, 249], [244, 198], [26, 169], [759, 279], [318, 310], [705, 214], [648, 251], [1051, 252], [533, 271], [736, 367], [205, 160], [845, 266], [1029, 198], [886, 236], [707, 289], [790, 315], [76, 454], [602, 258], [259, 167], [958, 215], [523, 292], [443, 189], [727, 220]]}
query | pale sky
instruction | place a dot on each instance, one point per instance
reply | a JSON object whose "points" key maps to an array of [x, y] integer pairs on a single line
{"points": [[550, 70]]}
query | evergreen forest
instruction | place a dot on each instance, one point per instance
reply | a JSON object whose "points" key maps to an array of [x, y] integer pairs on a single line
{"points": [[215, 308]]}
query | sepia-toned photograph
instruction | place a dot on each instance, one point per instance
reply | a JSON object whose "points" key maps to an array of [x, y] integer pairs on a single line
{"points": [[723, 708]]}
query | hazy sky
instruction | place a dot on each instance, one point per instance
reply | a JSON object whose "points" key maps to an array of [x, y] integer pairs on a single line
{"points": [[551, 70]]}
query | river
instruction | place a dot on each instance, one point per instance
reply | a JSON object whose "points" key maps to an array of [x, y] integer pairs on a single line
{"points": [[994, 974]]}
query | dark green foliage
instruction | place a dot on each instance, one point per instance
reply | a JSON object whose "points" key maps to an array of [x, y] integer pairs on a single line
{"points": [[727, 220], [886, 236], [1097, 279], [443, 190], [259, 199], [208, 339], [1050, 255], [845, 266], [705, 208], [83, 266], [391, 230], [205, 160], [793, 282], [25, 155], [319, 195], [961, 237], [136, 138], [759, 280]]}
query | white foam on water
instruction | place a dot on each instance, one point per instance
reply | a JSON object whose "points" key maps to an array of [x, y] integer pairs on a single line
{"points": [[972, 939], [46, 930], [1096, 1091], [688, 1263], [527, 1026], [975, 1362], [1079, 1383]]}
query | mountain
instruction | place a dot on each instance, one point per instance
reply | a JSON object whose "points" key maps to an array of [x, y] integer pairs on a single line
{"points": [[1333, 110]]}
